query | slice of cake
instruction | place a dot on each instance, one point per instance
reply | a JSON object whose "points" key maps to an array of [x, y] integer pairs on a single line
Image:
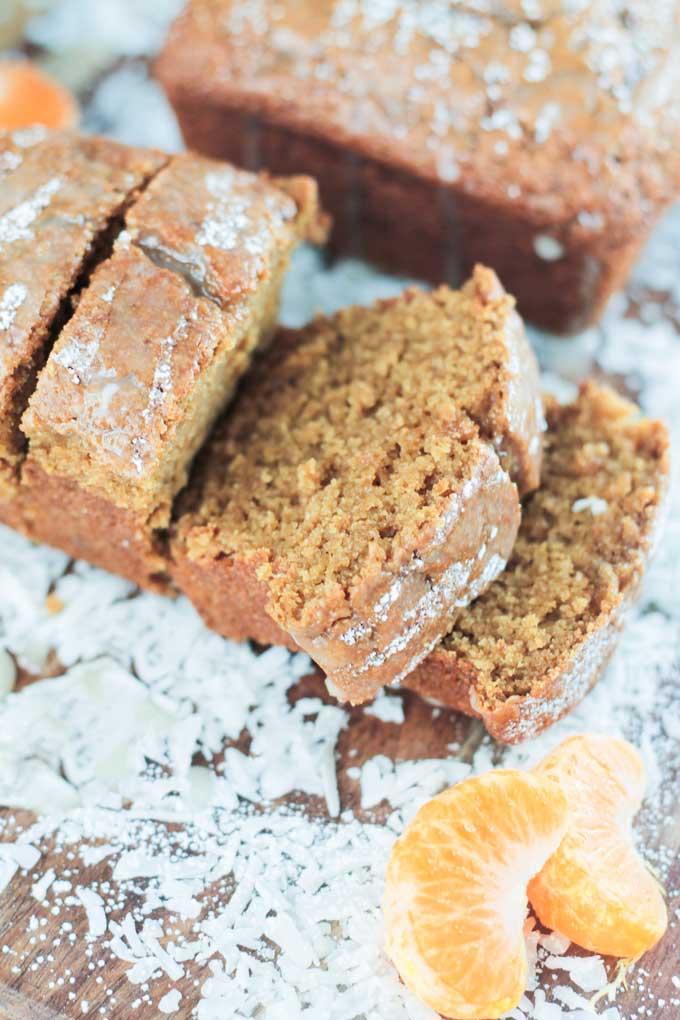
{"points": [[153, 352], [61, 199], [525, 652], [540, 138], [362, 488]]}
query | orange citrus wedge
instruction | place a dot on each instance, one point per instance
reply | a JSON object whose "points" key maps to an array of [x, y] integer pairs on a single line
{"points": [[596, 889], [455, 899], [28, 96]]}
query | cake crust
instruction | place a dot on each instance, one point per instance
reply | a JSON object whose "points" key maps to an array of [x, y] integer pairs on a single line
{"points": [[550, 163], [60, 198], [529, 650]]}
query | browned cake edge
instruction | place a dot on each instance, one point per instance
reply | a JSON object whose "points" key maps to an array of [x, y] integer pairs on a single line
{"points": [[229, 596], [233, 600], [450, 680], [59, 512]]}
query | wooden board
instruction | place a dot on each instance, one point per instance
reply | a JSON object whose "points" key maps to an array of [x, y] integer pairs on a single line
{"points": [[35, 988]]}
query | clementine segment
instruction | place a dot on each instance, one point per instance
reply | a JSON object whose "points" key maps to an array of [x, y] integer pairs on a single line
{"points": [[596, 889], [28, 96], [455, 898]]}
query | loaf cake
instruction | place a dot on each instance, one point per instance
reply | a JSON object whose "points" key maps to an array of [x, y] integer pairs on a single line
{"points": [[163, 328], [362, 488], [531, 647], [61, 200], [540, 138]]}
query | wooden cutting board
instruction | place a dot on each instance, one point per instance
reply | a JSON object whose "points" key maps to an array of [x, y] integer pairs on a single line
{"points": [[35, 988]]}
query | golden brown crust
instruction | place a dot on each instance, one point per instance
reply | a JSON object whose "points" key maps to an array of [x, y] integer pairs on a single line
{"points": [[231, 598], [525, 653], [86, 526], [448, 681], [59, 197], [550, 162], [164, 331]]}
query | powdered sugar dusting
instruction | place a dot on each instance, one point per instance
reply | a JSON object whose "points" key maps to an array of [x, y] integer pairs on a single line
{"points": [[10, 302], [524, 76], [160, 391], [240, 218], [16, 224]]}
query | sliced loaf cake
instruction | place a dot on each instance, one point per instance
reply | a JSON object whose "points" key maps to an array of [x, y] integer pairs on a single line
{"points": [[362, 489], [531, 647], [164, 326], [62, 197]]}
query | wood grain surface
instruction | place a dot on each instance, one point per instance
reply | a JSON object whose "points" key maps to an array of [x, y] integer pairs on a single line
{"points": [[40, 970]]}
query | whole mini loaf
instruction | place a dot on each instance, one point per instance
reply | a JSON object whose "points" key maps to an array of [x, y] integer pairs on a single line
{"points": [[540, 138]]}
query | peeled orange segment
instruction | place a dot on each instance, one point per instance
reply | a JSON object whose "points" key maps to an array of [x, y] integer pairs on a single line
{"points": [[596, 889], [28, 96], [455, 897]]}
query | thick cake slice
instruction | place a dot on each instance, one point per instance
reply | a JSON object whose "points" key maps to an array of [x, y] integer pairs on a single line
{"points": [[529, 649], [152, 354], [61, 197], [360, 491]]}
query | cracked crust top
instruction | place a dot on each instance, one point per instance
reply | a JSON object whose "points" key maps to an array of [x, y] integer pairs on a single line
{"points": [[165, 329], [58, 196]]}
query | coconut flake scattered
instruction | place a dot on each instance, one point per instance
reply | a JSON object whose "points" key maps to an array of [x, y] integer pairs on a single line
{"points": [[94, 908], [170, 1002], [548, 248], [595, 504], [386, 707]]}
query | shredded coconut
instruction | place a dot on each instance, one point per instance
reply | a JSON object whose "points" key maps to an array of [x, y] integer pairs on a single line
{"points": [[596, 505], [548, 248]]}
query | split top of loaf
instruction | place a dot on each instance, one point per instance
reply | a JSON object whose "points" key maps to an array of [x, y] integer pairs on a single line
{"points": [[61, 198], [560, 108], [538, 639], [361, 489], [143, 349]]}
